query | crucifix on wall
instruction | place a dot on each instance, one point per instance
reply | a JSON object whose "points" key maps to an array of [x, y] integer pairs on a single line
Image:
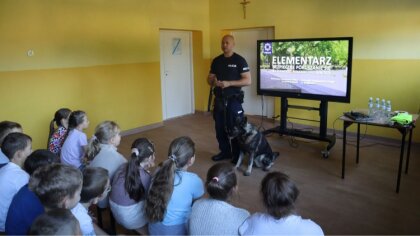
{"points": [[244, 3]]}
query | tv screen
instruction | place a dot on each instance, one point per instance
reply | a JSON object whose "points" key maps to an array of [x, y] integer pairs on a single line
{"points": [[316, 68]]}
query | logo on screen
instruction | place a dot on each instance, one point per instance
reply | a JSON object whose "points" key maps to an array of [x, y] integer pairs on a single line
{"points": [[267, 48]]}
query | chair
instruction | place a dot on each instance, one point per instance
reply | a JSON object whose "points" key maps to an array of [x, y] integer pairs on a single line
{"points": [[99, 211]]}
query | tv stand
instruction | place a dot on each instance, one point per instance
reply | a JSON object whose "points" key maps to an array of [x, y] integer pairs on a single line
{"points": [[322, 135]]}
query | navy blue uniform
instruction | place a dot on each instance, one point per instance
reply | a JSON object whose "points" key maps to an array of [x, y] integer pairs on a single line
{"points": [[231, 98]]}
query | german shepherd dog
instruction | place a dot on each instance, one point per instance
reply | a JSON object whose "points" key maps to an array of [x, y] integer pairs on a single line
{"points": [[253, 143]]}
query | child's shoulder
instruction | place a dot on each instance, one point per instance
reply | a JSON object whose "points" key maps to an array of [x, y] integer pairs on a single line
{"points": [[191, 174], [76, 132]]}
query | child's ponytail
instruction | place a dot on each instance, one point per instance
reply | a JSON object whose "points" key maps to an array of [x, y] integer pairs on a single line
{"points": [[220, 181], [75, 119], [60, 114], [160, 191], [141, 149], [103, 134], [180, 152], [93, 148]]}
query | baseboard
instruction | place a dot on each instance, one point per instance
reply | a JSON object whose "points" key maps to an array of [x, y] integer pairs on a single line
{"points": [[338, 132], [157, 125], [141, 129], [206, 113]]}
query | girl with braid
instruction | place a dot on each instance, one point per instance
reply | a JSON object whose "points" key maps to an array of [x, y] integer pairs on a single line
{"points": [[173, 190]]}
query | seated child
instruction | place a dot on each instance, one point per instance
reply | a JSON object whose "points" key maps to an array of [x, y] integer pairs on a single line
{"points": [[57, 186], [130, 185], [73, 149], [55, 222], [214, 215], [95, 188], [57, 136], [25, 206], [102, 150], [173, 190], [60, 186], [279, 195], [17, 147], [7, 127]]}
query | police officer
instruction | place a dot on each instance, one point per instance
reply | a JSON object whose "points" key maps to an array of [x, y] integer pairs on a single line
{"points": [[228, 73]]}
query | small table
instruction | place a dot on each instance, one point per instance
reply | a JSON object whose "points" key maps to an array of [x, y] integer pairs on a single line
{"points": [[404, 130]]}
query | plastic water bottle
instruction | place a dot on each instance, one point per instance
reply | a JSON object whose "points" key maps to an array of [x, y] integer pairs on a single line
{"points": [[377, 113], [383, 106], [389, 113], [370, 107], [383, 115], [388, 108]]}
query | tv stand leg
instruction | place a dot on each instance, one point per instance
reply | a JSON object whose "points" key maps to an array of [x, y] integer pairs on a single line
{"points": [[321, 136], [331, 142]]}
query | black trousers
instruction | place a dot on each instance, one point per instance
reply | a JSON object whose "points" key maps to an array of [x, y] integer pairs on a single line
{"points": [[224, 114]]}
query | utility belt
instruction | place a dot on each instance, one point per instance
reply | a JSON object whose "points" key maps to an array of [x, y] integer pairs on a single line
{"points": [[239, 96], [221, 101]]}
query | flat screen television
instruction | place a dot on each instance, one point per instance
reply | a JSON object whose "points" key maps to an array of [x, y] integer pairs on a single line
{"points": [[307, 68]]}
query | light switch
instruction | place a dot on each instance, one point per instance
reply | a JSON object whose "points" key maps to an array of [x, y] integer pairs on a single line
{"points": [[30, 53]]}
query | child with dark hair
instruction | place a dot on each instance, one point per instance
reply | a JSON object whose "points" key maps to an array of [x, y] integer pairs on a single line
{"points": [[173, 190], [130, 185], [38, 158], [73, 149], [279, 194], [7, 127], [56, 136], [95, 188], [215, 216], [17, 147], [25, 206], [57, 186], [55, 222]]}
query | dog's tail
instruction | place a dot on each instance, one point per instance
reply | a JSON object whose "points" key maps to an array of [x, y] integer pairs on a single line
{"points": [[270, 163]]}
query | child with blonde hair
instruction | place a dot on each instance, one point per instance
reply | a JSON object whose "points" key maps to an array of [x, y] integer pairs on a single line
{"points": [[102, 148], [73, 149], [102, 151], [173, 190]]}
